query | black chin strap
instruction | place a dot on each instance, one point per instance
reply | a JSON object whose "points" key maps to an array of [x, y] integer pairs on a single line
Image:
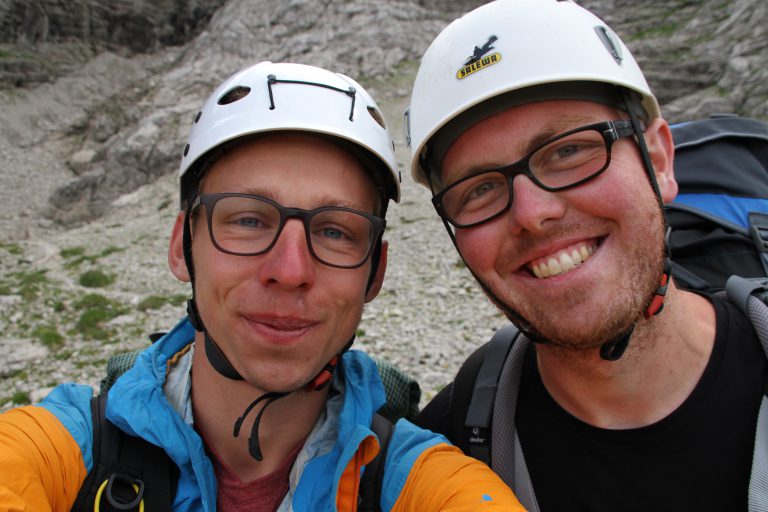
{"points": [[254, 447], [320, 381], [215, 356], [614, 349]]}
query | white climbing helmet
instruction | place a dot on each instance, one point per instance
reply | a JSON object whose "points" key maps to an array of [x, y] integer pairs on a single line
{"points": [[284, 96], [511, 45]]}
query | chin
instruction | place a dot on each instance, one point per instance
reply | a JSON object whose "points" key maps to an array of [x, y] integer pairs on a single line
{"points": [[277, 380]]}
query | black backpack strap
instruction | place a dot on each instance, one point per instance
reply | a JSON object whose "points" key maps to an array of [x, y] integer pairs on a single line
{"points": [[758, 230], [369, 499], [126, 471], [688, 279], [474, 393]]}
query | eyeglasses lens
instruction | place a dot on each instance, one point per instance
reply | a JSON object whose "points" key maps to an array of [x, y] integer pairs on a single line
{"points": [[561, 163], [248, 226]]}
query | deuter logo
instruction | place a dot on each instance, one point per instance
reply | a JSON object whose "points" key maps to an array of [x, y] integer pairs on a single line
{"points": [[477, 437], [478, 65]]}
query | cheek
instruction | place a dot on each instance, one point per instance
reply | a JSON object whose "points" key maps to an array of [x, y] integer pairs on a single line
{"points": [[216, 272], [479, 245], [345, 293]]}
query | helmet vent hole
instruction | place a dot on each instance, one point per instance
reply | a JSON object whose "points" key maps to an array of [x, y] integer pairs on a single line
{"points": [[186, 149], [197, 117], [376, 115], [234, 94]]}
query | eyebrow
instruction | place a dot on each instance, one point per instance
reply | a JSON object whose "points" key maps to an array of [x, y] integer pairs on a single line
{"points": [[551, 129], [560, 125], [320, 201]]}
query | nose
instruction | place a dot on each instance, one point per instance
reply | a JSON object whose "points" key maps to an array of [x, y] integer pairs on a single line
{"points": [[532, 207], [289, 264]]}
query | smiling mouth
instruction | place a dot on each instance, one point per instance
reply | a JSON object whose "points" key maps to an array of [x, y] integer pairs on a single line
{"points": [[562, 261], [281, 325]]}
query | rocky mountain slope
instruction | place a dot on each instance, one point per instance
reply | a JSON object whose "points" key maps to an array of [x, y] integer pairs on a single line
{"points": [[97, 98]]}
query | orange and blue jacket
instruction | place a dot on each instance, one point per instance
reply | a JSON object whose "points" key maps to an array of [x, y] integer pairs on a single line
{"points": [[45, 450]]}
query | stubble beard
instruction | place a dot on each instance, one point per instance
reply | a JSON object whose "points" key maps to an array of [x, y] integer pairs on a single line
{"points": [[631, 294]]}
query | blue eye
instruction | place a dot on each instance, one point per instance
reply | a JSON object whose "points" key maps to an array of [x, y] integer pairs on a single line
{"points": [[566, 151], [483, 188], [249, 222], [332, 233]]}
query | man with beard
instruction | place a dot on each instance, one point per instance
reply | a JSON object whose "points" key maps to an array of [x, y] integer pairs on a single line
{"points": [[549, 164]]}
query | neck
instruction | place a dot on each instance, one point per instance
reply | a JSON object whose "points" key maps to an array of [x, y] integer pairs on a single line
{"points": [[217, 403], [664, 361]]}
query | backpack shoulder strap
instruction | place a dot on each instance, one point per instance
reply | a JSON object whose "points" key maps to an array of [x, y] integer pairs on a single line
{"points": [[739, 289], [402, 391], [128, 472], [373, 476], [750, 296], [118, 364], [474, 393]]}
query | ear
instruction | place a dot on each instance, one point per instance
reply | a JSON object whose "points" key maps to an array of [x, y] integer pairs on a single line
{"points": [[661, 148], [176, 260], [378, 279]]}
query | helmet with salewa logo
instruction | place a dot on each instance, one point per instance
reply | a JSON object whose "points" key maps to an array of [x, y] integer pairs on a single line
{"points": [[512, 52]]}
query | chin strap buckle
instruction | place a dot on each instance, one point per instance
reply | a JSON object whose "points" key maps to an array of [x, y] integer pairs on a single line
{"points": [[324, 377], [657, 302]]}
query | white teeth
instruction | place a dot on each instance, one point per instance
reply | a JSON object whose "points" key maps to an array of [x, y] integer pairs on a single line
{"points": [[576, 257], [554, 267], [564, 262]]}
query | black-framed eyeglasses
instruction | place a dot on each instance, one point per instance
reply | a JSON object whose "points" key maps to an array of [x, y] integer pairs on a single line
{"points": [[565, 161], [249, 225]]}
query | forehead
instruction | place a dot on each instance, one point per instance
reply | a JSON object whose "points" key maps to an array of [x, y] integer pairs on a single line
{"points": [[295, 169], [509, 135]]}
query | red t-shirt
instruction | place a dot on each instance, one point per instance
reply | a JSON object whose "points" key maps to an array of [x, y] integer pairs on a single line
{"points": [[261, 495]]}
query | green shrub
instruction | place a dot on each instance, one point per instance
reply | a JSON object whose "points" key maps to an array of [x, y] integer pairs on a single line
{"points": [[71, 252], [158, 301], [20, 398], [75, 256], [48, 335], [94, 300], [152, 302], [110, 250], [97, 310], [95, 279], [29, 283], [12, 249], [91, 324], [178, 299]]}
